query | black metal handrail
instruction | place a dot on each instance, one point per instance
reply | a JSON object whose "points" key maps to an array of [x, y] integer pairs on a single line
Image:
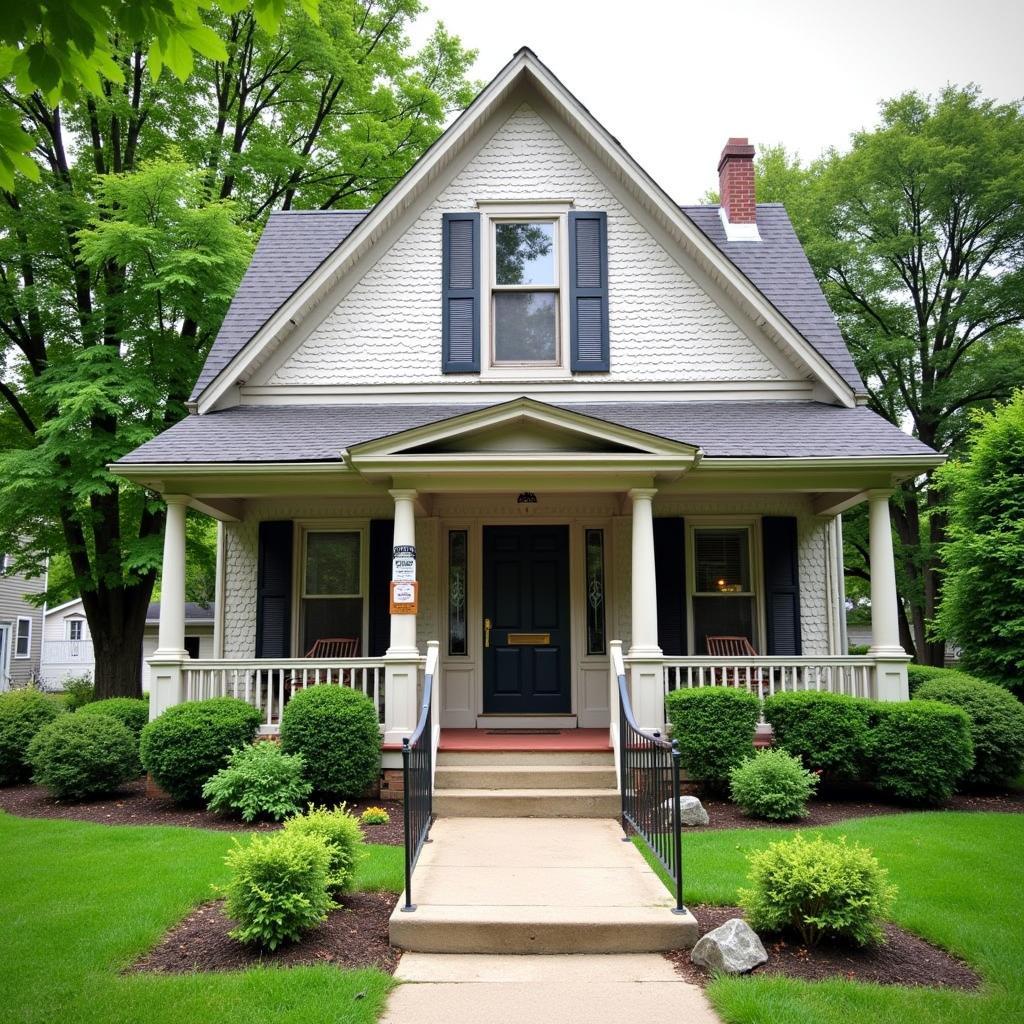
{"points": [[650, 786], [418, 786]]}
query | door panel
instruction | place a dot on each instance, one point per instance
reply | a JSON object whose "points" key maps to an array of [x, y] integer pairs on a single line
{"points": [[526, 591]]}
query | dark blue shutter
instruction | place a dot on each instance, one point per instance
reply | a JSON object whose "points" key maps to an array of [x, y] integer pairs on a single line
{"points": [[588, 292], [381, 533], [781, 584], [460, 290], [274, 590], [670, 581]]}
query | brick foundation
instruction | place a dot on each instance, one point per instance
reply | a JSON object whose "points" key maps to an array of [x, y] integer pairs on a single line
{"points": [[392, 786]]}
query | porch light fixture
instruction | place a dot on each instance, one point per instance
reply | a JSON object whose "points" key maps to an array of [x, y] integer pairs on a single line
{"points": [[527, 498]]}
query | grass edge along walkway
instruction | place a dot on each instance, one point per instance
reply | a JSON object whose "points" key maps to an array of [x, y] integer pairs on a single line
{"points": [[82, 901], [959, 886]]}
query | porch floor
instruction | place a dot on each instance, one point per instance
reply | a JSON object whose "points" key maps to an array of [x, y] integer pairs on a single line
{"points": [[587, 740]]}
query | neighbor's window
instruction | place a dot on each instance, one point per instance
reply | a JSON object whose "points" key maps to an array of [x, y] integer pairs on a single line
{"points": [[332, 596], [458, 544], [23, 639], [595, 592], [74, 629], [723, 592], [192, 646], [524, 308]]}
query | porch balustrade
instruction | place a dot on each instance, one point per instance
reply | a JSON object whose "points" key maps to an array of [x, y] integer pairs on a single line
{"points": [[67, 652]]}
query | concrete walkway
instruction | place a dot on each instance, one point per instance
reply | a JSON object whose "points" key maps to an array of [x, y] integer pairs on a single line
{"points": [[590, 989], [537, 885]]}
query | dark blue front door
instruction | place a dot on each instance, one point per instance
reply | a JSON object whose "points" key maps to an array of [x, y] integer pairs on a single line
{"points": [[526, 603]]}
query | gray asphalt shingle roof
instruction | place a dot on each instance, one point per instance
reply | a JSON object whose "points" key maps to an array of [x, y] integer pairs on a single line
{"points": [[729, 429], [194, 613], [294, 243]]}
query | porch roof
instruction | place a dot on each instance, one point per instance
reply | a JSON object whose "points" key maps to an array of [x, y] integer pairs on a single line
{"points": [[722, 430]]}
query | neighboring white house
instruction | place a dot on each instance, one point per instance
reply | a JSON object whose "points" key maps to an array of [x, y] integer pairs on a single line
{"points": [[67, 644], [21, 624], [567, 409]]}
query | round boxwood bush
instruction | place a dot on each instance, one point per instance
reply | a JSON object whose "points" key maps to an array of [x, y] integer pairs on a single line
{"points": [[714, 727], [819, 888], [919, 750], [131, 712], [278, 888], [997, 725], [335, 729], [81, 756], [22, 714], [258, 781], [189, 743], [827, 731], [772, 784], [344, 838], [918, 675]]}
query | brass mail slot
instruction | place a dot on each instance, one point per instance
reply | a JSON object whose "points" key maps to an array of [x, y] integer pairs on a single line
{"points": [[533, 639]]}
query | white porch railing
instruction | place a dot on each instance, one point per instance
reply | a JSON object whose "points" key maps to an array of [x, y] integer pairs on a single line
{"points": [[267, 683], [67, 652], [854, 676]]}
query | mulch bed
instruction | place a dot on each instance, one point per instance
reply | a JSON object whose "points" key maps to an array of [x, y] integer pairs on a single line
{"points": [[904, 959], [132, 805], [354, 935], [842, 806]]}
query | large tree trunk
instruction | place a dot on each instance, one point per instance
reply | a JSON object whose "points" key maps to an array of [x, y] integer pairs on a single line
{"points": [[117, 633]]}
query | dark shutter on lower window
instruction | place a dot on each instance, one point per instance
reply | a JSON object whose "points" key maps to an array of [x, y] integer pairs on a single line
{"points": [[781, 584], [670, 576], [588, 292], [381, 533], [460, 292], [274, 590]]}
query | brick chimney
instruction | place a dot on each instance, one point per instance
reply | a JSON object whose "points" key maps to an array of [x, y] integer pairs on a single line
{"points": [[736, 182]]}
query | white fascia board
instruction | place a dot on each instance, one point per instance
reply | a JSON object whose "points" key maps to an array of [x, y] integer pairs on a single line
{"points": [[418, 177], [901, 463]]}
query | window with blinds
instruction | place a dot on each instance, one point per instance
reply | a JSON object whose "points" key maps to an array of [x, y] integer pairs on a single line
{"points": [[722, 599]]}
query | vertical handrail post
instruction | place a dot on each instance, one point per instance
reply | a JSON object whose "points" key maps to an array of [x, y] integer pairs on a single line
{"points": [[677, 826], [406, 800]]}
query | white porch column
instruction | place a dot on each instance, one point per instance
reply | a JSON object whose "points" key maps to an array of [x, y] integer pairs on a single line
{"points": [[402, 660], [645, 671], [891, 672], [165, 677]]}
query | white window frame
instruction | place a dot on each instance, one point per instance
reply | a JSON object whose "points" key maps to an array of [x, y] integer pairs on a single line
{"points": [[752, 526], [555, 211], [303, 529], [80, 623], [18, 638]]}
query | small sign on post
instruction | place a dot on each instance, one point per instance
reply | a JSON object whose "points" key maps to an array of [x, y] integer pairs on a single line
{"points": [[405, 597], [403, 563]]}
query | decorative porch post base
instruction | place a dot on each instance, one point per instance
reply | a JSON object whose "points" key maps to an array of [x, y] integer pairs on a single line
{"points": [[891, 682], [401, 706], [647, 692], [166, 683]]}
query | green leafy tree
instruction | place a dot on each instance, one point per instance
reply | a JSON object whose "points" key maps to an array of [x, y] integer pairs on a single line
{"points": [[917, 237], [983, 598], [118, 262]]}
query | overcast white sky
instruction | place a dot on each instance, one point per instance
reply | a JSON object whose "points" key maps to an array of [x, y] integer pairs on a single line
{"points": [[673, 80]]}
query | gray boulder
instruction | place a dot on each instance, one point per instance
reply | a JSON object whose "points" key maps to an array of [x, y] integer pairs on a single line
{"points": [[732, 947], [691, 811]]}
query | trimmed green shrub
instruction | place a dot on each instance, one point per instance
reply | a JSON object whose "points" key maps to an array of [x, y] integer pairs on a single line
{"points": [[772, 784], [997, 725], [278, 888], [857, 649], [714, 727], [335, 729], [827, 731], [78, 691], [22, 714], [131, 712], [189, 743], [258, 781], [818, 888], [918, 675], [340, 831], [919, 750], [81, 756]]}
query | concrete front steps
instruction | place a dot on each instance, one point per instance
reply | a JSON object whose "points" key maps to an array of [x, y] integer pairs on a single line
{"points": [[525, 784]]}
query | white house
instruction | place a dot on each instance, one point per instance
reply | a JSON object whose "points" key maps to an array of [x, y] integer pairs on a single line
{"points": [[67, 650], [571, 410]]}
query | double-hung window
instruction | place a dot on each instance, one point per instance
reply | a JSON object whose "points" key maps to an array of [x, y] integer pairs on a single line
{"points": [[332, 587], [525, 308], [23, 639], [722, 595], [74, 629]]}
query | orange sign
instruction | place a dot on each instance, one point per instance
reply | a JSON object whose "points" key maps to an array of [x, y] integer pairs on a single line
{"points": [[405, 597]]}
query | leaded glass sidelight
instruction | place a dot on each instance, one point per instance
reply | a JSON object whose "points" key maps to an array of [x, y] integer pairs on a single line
{"points": [[458, 543], [595, 592]]}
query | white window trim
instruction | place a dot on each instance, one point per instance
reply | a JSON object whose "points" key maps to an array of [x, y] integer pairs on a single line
{"points": [[491, 213], [305, 527], [752, 524], [17, 638], [81, 629]]}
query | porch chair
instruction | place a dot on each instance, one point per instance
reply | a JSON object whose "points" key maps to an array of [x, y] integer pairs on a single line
{"points": [[733, 647], [327, 649]]}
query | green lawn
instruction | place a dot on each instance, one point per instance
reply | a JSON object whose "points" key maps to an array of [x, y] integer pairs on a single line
{"points": [[80, 901], [959, 878]]}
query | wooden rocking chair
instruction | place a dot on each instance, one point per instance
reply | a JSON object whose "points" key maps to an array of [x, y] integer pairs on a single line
{"points": [[733, 647], [327, 649]]}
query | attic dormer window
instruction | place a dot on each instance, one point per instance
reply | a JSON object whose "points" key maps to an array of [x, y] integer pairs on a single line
{"points": [[524, 293]]}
